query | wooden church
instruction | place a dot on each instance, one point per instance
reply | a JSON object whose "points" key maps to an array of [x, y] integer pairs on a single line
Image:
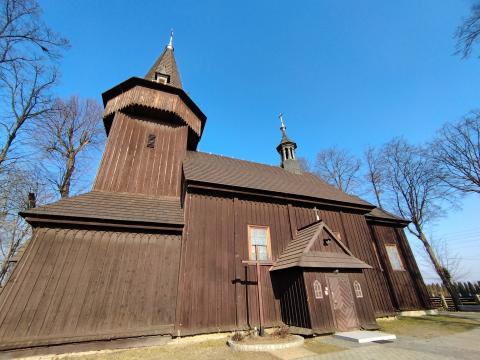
{"points": [[173, 241]]}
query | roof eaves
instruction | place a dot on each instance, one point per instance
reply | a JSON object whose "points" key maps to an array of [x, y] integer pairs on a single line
{"points": [[273, 194]]}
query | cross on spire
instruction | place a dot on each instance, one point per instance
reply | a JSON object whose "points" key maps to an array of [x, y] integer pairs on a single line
{"points": [[283, 127], [170, 43]]}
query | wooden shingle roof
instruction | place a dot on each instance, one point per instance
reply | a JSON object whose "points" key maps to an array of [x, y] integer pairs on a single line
{"points": [[114, 207], [298, 254], [378, 214], [220, 170], [166, 64]]}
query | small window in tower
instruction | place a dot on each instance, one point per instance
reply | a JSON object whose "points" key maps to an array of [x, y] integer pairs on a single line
{"points": [[317, 290], [358, 289], [162, 78], [151, 141]]}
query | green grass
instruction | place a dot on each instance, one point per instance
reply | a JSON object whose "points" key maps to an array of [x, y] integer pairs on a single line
{"points": [[427, 326]]}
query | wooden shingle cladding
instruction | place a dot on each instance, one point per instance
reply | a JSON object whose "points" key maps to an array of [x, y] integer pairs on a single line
{"points": [[166, 65], [136, 93], [260, 179], [307, 250], [76, 285], [112, 207]]}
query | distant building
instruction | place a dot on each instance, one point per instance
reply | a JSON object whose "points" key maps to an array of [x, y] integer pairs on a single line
{"points": [[166, 241]]}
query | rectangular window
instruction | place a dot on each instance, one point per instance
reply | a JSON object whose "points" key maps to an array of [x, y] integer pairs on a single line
{"points": [[259, 236], [394, 257]]}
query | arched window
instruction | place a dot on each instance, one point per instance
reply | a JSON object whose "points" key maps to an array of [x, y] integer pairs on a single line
{"points": [[317, 289], [358, 289]]}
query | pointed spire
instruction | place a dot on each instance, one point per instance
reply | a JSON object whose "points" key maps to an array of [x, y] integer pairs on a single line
{"points": [[164, 70], [170, 43], [286, 149]]}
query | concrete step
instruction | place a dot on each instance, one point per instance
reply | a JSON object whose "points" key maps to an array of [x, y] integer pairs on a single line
{"points": [[362, 337]]}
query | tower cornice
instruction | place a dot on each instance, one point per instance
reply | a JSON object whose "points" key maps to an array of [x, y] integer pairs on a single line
{"points": [[141, 93]]}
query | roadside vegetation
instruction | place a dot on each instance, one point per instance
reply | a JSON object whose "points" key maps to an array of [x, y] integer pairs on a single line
{"points": [[427, 327]]}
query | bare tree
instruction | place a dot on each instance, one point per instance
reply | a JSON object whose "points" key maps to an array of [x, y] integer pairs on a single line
{"points": [[417, 191], [374, 173], [15, 186], [468, 33], [28, 53], [456, 151], [304, 164], [339, 168], [66, 137], [24, 38], [27, 97]]}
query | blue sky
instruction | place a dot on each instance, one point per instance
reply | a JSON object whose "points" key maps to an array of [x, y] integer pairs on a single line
{"points": [[345, 73]]}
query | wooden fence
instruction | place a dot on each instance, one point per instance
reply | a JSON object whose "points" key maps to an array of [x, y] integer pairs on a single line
{"points": [[469, 293]]}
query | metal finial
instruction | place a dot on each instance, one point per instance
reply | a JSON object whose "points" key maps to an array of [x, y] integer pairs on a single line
{"points": [[170, 43], [280, 116], [316, 213]]}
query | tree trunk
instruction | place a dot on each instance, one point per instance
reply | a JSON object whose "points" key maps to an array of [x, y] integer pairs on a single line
{"points": [[10, 138], [441, 271], [67, 179], [377, 193]]}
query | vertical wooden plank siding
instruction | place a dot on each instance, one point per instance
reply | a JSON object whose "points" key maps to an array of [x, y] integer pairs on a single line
{"points": [[354, 233], [128, 165], [412, 266], [75, 284], [363, 305], [206, 300], [403, 284], [293, 298], [320, 309]]}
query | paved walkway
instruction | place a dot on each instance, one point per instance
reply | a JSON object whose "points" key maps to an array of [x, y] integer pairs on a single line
{"points": [[464, 345], [459, 346]]}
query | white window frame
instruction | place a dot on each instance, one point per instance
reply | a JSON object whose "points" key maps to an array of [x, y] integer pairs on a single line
{"points": [[317, 290], [358, 289], [400, 267]]}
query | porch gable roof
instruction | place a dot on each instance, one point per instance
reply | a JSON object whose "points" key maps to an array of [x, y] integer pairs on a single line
{"points": [[298, 252]]}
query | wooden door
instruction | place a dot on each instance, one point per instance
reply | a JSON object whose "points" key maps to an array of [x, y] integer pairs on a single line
{"points": [[341, 299]]}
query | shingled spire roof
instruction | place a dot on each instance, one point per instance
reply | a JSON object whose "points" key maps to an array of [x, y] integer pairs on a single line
{"points": [[165, 70]]}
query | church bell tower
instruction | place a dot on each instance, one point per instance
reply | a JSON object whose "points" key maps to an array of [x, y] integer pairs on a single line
{"points": [[150, 122]]}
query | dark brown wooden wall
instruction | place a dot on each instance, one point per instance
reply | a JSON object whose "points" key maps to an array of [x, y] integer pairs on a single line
{"points": [[74, 285], [128, 165], [320, 309], [218, 292], [207, 271], [354, 233], [293, 297], [404, 286]]}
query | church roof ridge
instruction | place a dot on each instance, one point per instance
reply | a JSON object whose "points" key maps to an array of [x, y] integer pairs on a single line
{"points": [[223, 170]]}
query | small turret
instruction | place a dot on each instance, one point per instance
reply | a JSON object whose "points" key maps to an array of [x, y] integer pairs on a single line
{"points": [[286, 149]]}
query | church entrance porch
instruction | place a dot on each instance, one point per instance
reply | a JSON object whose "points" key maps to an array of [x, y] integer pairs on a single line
{"points": [[321, 285]]}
